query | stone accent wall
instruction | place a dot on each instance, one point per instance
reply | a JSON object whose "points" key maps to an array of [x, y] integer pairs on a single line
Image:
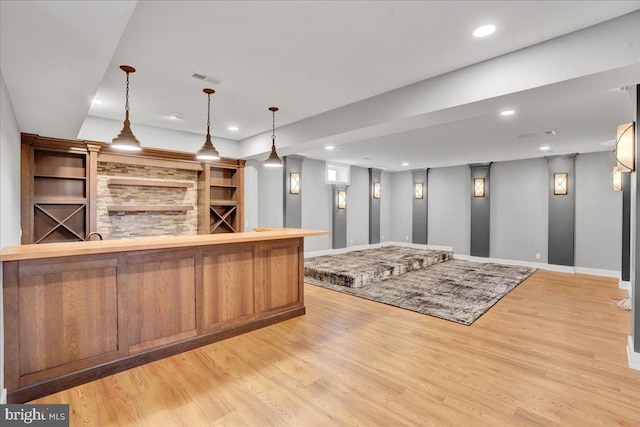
{"points": [[118, 225]]}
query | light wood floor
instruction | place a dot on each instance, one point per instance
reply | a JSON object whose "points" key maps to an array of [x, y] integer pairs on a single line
{"points": [[552, 352]]}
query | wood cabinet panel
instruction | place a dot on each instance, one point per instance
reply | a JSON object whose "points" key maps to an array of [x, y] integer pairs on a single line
{"points": [[280, 274], [228, 288], [66, 316], [161, 300], [72, 316]]}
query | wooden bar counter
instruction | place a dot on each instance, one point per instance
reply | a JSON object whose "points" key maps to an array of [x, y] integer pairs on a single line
{"points": [[75, 312]]}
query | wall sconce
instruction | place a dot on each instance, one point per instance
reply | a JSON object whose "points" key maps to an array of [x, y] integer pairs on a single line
{"points": [[419, 192], [478, 187], [617, 179], [560, 184], [624, 150], [342, 199], [376, 190], [294, 183]]}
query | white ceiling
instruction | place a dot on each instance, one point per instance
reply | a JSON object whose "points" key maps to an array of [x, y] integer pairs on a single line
{"points": [[307, 58]]}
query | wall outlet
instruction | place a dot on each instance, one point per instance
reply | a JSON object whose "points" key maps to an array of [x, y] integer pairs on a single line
{"points": [[406, 238], [352, 240], [537, 256], [246, 224]]}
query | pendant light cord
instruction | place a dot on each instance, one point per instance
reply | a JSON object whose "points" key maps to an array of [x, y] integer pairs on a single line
{"points": [[273, 131], [208, 112], [126, 105]]}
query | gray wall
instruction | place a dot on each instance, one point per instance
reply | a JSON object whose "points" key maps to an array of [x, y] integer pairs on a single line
{"points": [[385, 206], [358, 207], [316, 205], [269, 196], [519, 206], [598, 213], [9, 191], [401, 206], [449, 192]]}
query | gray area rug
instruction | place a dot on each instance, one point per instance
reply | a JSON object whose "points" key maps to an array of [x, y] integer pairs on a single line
{"points": [[456, 290], [359, 268]]}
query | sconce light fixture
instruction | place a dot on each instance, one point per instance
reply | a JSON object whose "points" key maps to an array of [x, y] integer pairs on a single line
{"points": [[560, 184], [376, 190], [126, 140], [208, 151], [617, 179], [624, 149], [478, 187], [294, 183], [419, 190], [342, 199], [273, 161]]}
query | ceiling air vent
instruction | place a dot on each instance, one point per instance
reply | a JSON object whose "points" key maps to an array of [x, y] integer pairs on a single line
{"points": [[206, 78]]}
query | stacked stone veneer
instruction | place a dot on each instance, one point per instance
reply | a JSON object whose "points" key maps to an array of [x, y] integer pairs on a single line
{"points": [[119, 225]]}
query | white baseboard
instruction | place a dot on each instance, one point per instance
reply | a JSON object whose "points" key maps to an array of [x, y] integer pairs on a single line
{"points": [[598, 272], [539, 265], [3, 397], [632, 356], [624, 284]]}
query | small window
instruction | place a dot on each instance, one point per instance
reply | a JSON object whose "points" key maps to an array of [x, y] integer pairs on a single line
{"points": [[337, 173]]}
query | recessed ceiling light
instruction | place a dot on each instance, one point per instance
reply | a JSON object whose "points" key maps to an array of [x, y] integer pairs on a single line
{"points": [[484, 31], [507, 113], [329, 147], [174, 116], [405, 163], [549, 132], [544, 148], [97, 101], [233, 128]]}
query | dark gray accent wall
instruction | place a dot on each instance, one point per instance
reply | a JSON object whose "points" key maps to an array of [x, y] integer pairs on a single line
{"points": [[420, 207], [625, 272], [339, 220], [374, 206], [562, 212], [480, 212], [292, 203]]}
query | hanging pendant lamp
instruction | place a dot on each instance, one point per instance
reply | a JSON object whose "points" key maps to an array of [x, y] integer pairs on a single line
{"points": [[273, 161], [208, 151], [126, 140]]}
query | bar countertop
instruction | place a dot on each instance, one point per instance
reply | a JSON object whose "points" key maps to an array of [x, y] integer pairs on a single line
{"points": [[53, 250]]}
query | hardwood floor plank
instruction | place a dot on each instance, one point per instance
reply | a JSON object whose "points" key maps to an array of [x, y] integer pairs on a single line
{"points": [[552, 352]]}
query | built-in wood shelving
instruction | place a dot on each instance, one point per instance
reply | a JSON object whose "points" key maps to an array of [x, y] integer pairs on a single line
{"points": [[56, 189], [224, 202], [167, 183], [221, 197], [149, 208], [59, 200]]}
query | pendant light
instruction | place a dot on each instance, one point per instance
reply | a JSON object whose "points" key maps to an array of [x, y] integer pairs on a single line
{"points": [[126, 140], [273, 161], [208, 151]]}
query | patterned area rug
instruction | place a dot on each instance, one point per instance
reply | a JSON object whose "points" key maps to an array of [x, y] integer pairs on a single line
{"points": [[459, 291], [359, 268]]}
